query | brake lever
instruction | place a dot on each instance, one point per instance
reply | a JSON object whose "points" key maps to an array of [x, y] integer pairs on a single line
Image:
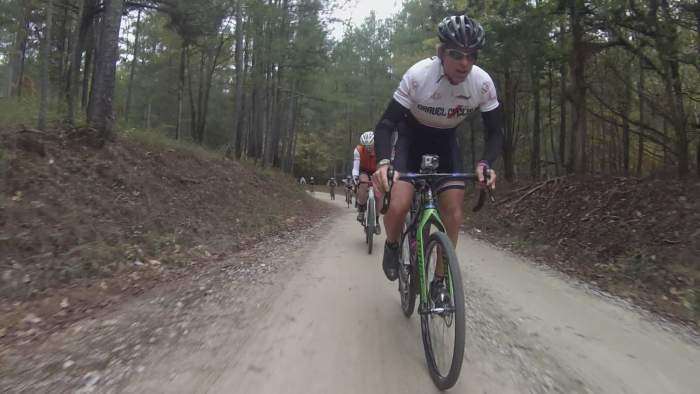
{"points": [[387, 195], [485, 190]]}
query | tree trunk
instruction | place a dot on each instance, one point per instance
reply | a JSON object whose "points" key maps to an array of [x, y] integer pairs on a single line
{"points": [[207, 88], [509, 137], [190, 92], [256, 132], [132, 69], [243, 118], [640, 144], [180, 91], [278, 156], [62, 47], [289, 129], [19, 54], [81, 29], [536, 132], [675, 90], [272, 154], [88, 68], [626, 109], [667, 43], [577, 63], [97, 36], [22, 64], [293, 134], [102, 117], [562, 101], [550, 117], [45, 54], [238, 89], [195, 103], [10, 76]]}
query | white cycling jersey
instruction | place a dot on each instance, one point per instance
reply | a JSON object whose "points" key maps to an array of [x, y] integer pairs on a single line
{"points": [[435, 102]]}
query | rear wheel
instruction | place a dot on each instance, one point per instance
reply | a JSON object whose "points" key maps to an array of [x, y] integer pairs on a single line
{"points": [[443, 330], [408, 287]]}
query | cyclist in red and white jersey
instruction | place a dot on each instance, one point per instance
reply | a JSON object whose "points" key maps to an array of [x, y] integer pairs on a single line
{"points": [[363, 166]]}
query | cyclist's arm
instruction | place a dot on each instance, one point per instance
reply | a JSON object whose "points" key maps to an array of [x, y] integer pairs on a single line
{"points": [[356, 163], [494, 135], [394, 113]]}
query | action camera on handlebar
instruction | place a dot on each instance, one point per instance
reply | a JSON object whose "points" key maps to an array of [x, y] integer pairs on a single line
{"points": [[429, 164]]}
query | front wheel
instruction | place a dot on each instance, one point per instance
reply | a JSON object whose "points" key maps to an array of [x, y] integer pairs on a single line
{"points": [[442, 326], [371, 220], [408, 275]]}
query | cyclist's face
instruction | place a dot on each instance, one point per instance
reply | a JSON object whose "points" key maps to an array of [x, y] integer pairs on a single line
{"points": [[457, 63], [370, 148]]}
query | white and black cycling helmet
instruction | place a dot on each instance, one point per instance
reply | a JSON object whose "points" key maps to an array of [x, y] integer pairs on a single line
{"points": [[367, 138], [462, 31]]}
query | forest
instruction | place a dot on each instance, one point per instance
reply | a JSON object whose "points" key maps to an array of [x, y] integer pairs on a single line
{"points": [[586, 87]]}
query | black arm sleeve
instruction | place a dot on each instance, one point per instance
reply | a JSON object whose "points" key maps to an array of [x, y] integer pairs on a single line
{"points": [[494, 135], [393, 114]]}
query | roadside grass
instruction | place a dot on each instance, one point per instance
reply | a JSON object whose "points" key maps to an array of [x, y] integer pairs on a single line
{"points": [[157, 138], [24, 112]]}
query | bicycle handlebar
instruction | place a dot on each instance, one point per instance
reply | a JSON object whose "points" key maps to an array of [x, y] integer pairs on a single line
{"points": [[410, 176], [413, 177]]}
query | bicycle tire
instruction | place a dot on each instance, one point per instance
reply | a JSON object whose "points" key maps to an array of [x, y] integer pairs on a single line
{"points": [[408, 286], [369, 229], [445, 381]]}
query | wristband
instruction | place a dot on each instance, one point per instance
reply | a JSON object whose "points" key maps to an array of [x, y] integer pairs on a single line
{"points": [[383, 162]]}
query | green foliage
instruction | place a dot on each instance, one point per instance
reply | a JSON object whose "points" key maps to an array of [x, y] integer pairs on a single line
{"points": [[313, 156], [23, 111]]}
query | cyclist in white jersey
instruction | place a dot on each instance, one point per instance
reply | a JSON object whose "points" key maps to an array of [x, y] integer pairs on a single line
{"points": [[435, 95]]}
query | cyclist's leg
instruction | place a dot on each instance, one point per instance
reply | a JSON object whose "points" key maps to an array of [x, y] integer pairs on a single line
{"points": [[362, 195], [401, 198], [450, 197], [407, 157], [379, 200], [362, 189], [450, 202]]}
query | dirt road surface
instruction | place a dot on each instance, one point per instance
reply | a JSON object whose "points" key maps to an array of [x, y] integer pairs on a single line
{"points": [[323, 319]]}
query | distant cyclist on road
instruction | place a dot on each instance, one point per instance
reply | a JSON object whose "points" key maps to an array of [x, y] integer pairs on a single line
{"points": [[435, 95], [332, 183], [349, 188], [312, 181], [364, 165]]}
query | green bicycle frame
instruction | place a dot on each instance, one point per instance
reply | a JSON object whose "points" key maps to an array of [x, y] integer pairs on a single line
{"points": [[429, 216]]}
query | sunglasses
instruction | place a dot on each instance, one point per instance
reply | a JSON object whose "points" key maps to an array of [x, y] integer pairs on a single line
{"points": [[459, 55]]}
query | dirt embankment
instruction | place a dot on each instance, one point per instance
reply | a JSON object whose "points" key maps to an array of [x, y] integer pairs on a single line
{"points": [[83, 225], [636, 238]]}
